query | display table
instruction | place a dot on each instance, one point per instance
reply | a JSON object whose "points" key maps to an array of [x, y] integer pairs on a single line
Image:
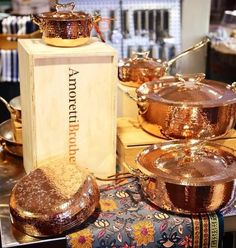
{"points": [[11, 170]]}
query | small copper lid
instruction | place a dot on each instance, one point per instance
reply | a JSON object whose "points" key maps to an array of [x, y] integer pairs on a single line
{"points": [[65, 12], [140, 68]]}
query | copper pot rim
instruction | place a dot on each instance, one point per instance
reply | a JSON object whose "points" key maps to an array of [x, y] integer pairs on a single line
{"points": [[151, 91], [142, 172], [6, 133]]}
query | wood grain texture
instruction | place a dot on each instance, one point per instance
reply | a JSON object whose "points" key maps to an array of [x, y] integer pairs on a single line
{"points": [[46, 106]]}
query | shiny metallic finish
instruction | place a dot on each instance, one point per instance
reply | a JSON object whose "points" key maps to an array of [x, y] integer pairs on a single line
{"points": [[140, 68], [8, 141], [14, 107], [184, 199], [65, 27], [172, 110], [53, 199], [188, 176], [11, 170]]}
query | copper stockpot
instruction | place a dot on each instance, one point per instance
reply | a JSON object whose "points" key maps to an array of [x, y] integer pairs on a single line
{"points": [[186, 106], [140, 68], [65, 27], [187, 176]]}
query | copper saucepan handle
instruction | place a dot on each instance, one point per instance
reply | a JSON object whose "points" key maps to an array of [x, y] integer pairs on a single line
{"points": [[191, 49], [8, 106], [96, 19], [135, 172]]}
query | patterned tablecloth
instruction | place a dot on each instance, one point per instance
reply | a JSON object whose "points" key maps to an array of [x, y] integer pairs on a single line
{"points": [[126, 220]]}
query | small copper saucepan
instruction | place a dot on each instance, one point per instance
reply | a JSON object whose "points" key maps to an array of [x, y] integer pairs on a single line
{"points": [[66, 27], [140, 68], [187, 176]]}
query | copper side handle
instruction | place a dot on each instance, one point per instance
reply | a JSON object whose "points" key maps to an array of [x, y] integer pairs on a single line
{"points": [[96, 19]]}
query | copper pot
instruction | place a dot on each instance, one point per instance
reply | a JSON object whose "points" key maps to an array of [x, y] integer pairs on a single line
{"points": [[140, 68], [65, 27], [8, 141], [187, 176], [186, 106], [14, 108]]}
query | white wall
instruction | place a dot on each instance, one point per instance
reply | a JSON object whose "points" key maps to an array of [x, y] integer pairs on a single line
{"points": [[195, 25]]}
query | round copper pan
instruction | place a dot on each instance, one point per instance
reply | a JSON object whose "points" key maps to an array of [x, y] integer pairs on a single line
{"points": [[187, 176], [194, 109]]}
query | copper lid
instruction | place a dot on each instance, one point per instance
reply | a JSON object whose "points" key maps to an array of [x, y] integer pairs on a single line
{"points": [[140, 68], [64, 12], [53, 198], [192, 162], [141, 60], [190, 90]]}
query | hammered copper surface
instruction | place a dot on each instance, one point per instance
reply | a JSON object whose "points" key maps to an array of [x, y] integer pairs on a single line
{"points": [[140, 68], [194, 109], [65, 27], [188, 176], [184, 199], [52, 199]]}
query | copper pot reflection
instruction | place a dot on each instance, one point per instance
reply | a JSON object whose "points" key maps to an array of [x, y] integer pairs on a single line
{"points": [[187, 176]]}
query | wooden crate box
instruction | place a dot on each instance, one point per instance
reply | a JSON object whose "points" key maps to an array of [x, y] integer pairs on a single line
{"points": [[68, 100]]}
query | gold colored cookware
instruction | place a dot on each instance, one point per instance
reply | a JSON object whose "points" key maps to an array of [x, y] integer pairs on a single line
{"points": [[14, 107], [140, 68], [8, 141], [187, 176], [66, 27], [186, 106]]}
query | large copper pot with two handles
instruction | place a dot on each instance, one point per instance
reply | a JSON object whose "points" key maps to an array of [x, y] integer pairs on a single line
{"points": [[187, 176], [186, 106]]}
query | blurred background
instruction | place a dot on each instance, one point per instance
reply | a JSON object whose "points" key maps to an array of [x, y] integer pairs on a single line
{"points": [[163, 27]]}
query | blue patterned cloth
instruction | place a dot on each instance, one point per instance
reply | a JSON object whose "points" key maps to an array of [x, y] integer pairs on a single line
{"points": [[126, 220]]}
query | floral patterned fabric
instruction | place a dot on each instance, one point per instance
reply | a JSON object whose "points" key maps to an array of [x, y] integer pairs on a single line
{"points": [[126, 220]]}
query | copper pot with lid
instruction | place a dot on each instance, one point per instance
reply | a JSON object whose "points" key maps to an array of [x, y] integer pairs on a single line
{"points": [[187, 176], [186, 106], [66, 27], [140, 68]]}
